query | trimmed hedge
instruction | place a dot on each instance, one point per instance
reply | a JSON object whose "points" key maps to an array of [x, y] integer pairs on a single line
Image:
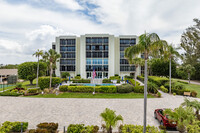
{"points": [[139, 129], [81, 128], [158, 80], [180, 91], [184, 82], [138, 89], [115, 77], [141, 78], [80, 81], [103, 89], [50, 127], [132, 81], [44, 81], [8, 126], [162, 88], [109, 81], [33, 90], [7, 93], [126, 88], [63, 88]]}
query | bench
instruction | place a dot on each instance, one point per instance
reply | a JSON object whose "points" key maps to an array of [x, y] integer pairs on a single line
{"points": [[186, 93]]}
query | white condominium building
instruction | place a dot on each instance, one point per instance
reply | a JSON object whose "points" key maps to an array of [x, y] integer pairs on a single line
{"points": [[104, 53]]}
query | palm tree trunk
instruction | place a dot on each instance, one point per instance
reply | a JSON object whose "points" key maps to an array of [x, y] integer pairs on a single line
{"points": [[37, 72], [50, 75], [145, 94], [135, 76], [170, 83]]}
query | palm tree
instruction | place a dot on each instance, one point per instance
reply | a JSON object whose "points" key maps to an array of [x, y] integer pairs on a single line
{"points": [[37, 54], [52, 56], [149, 44], [189, 69], [110, 119], [136, 61], [194, 104], [183, 117], [170, 53]]}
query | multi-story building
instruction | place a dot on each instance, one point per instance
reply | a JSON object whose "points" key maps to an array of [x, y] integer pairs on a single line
{"points": [[102, 52]]}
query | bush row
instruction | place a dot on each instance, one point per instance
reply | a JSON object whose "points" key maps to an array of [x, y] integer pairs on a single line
{"points": [[158, 80], [8, 93], [81, 128], [8, 127], [132, 81], [139, 129], [184, 82], [45, 81], [103, 89], [141, 78], [109, 81], [45, 128], [76, 80]]}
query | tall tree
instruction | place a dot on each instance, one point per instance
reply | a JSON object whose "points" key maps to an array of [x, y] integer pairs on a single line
{"points": [[38, 54], [149, 44], [52, 56], [110, 119], [191, 44], [189, 69], [170, 54], [28, 70]]}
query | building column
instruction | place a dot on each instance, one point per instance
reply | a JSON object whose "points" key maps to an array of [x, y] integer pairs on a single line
{"points": [[1, 79]]}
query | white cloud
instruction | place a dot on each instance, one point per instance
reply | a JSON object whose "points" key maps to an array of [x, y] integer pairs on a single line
{"points": [[29, 27], [70, 4]]}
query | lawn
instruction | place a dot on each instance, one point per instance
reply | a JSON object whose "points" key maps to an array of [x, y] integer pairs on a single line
{"points": [[190, 87], [90, 95]]}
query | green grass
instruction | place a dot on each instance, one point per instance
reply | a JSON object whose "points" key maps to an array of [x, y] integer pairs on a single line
{"points": [[192, 87], [89, 95]]}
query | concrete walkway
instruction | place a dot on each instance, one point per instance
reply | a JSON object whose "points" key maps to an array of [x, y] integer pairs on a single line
{"points": [[191, 81], [67, 111]]}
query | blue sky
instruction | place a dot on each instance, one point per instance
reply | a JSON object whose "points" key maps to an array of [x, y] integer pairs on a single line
{"points": [[27, 25]]}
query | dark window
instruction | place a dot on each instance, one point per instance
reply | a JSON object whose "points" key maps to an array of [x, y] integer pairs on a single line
{"points": [[124, 61], [54, 47], [88, 40], [88, 54], [88, 47]]}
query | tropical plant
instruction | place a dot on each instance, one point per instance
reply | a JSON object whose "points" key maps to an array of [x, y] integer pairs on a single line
{"points": [[189, 69], [38, 54], [149, 44], [183, 117], [52, 56], [194, 104], [170, 54], [65, 74], [136, 61], [110, 119]]}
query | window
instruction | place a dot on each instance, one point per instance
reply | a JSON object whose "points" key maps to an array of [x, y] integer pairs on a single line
{"points": [[121, 54], [105, 54], [88, 40], [88, 47], [88, 54], [105, 67], [88, 61], [106, 47], [105, 39], [105, 61], [124, 61]]}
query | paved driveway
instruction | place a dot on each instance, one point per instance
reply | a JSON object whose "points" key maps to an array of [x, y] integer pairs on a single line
{"points": [[66, 111]]}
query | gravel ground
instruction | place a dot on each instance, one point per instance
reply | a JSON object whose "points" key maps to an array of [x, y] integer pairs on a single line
{"points": [[67, 111]]}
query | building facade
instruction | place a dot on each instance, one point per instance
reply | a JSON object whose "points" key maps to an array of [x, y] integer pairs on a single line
{"points": [[102, 52]]}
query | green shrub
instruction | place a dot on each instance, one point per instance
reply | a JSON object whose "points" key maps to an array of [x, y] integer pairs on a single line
{"points": [[13, 127], [107, 81], [139, 129], [63, 88], [174, 94], [80, 81], [132, 81], [7, 93], [126, 88], [182, 82], [65, 74], [128, 77], [90, 129], [114, 77], [19, 85], [179, 86], [44, 81], [159, 94], [158, 80], [152, 88], [50, 127], [193, 93], [33, 90], [141, 78], [104, 89], [38, 131], [77, 77], [138, 89], [75, 128], [179, 91], [162, 88]]}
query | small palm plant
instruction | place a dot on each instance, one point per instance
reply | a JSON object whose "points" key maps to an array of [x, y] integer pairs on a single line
{"points": [[183, 117], [194, 104], [110, 119]]}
